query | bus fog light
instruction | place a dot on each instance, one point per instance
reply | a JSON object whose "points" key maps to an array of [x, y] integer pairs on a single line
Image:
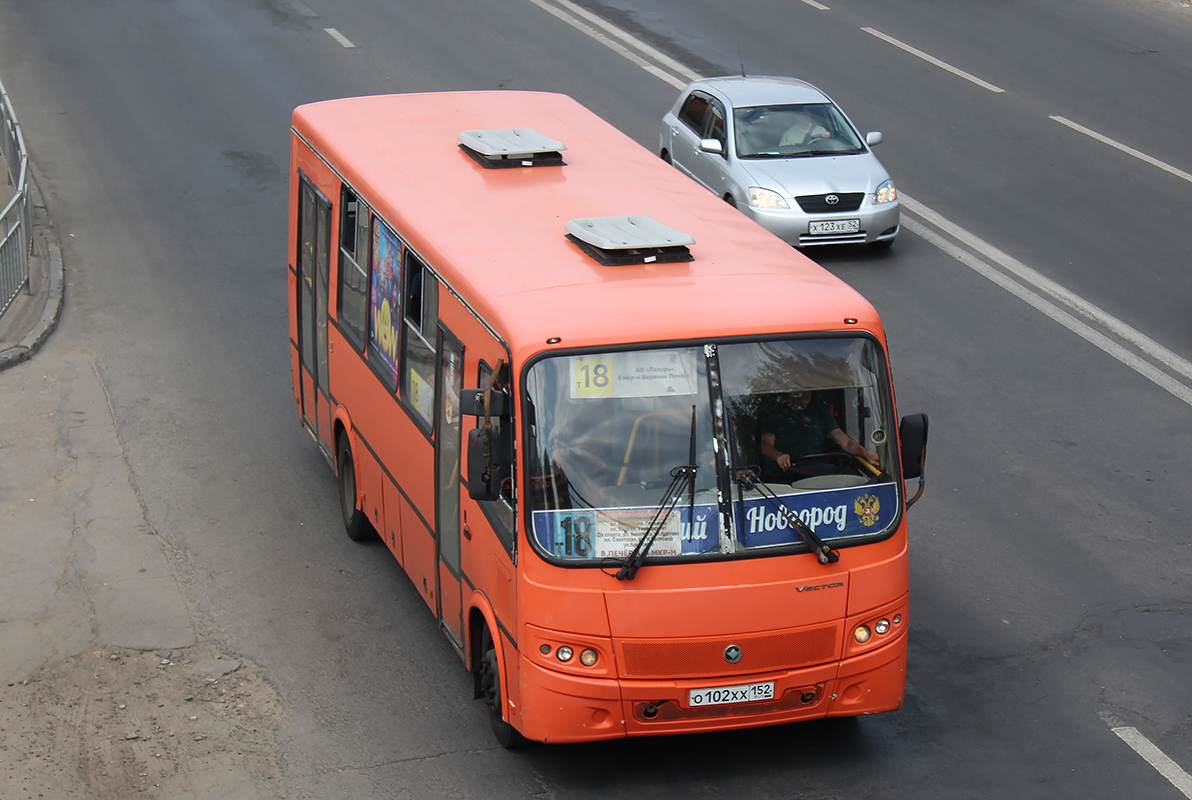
{"points": [[587, 657], [897, 618], [861, 634], [544, 649], [564, 653], [882, 625]]}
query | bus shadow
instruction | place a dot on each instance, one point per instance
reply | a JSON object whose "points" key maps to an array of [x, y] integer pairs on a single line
{"points": [[719, 759]]}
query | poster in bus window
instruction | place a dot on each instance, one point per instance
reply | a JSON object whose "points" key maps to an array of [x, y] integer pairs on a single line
{"points": [[384, 305]]}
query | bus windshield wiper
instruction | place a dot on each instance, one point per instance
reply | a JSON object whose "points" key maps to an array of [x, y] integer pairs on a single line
{"points": [[747, 477], [681, 478]]}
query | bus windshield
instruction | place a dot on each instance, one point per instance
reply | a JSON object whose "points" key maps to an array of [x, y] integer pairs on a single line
{"points": [[613, 436]]}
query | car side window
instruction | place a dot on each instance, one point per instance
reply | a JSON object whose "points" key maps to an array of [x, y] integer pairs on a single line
{"points": [[693, 110]]}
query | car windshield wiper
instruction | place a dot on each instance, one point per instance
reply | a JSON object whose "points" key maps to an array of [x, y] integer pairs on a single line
{"points": [[682, 477], [747, 477], [852, 152]]}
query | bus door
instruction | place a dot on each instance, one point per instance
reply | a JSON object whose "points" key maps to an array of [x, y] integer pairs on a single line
{"points": [[314, 265], [447, 473]]}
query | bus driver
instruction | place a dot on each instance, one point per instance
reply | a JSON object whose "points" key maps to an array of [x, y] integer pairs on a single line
{"points": [[800, 426]]}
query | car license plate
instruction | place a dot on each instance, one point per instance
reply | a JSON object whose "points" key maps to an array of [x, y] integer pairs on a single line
{"points": [[723, 695], [835, 226]]}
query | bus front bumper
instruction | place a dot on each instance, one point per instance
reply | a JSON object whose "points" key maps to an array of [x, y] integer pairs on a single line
{"points": [[557, 707]]}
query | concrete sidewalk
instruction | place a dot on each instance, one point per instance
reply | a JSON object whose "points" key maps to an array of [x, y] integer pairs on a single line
{"points": [[101, 664]]}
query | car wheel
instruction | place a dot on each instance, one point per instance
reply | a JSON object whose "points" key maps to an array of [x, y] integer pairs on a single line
{"points": [[356, 524], [665, 156], [884, 244], [728, 198], [490, 687]]}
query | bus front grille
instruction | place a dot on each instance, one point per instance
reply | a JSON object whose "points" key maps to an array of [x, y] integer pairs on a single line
{"points": [[759, 652]]}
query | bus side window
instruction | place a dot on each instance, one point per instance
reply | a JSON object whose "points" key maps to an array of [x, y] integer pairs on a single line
{"points": [[418, 353], [502, 511], [352, 308]]}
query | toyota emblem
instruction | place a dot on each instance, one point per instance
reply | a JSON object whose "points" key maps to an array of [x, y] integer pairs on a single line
{"points": [[831, 199], [732, 654]]}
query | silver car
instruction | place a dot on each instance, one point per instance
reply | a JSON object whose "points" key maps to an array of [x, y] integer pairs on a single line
{"points": [[781, 151]]}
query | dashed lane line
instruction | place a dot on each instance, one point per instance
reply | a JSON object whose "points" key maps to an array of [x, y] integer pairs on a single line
{"points": [[933, 60], [1151, 754], [339, 37], [1141, 156]]}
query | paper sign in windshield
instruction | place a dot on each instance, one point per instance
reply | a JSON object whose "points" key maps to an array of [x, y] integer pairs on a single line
{"points": [[639, 373]]}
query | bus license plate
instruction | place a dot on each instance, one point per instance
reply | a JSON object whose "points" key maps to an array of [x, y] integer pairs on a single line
{"points": [[722, 695], [835, 226]]}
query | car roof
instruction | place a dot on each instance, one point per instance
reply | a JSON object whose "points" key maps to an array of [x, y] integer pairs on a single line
{"points": [[753, 90]]}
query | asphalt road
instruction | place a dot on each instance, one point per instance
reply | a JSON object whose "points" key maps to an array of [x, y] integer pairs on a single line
{"points": [[1051, 561]]}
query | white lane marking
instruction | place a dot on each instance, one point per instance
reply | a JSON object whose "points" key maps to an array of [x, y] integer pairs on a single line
{"points": [[1020, 270], [1049, 309], [1154, 162], [339, 37], [1151, 754], [814, 4], [588, 30], [1049, 287], [933, 60], [676, 67]]}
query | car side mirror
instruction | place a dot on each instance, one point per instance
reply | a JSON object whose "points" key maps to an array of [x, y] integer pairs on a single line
{"points": [[873, 138], [711, 146], [488, 456]]}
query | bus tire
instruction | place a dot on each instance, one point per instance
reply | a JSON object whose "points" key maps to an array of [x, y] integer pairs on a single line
{"points": [[355, 522], [490, 687]]}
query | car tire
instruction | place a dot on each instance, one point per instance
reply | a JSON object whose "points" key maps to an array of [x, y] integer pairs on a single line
{"points": [[884, 244], [728, 198], [665, 156], [490, 688], [356, 524]]}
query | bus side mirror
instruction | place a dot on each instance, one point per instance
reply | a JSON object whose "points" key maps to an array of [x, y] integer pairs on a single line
{"points": [[487, 459], [471, 402], [482, 477], [912, 441]]}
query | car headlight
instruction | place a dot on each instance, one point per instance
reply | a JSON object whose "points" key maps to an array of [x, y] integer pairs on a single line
{"points": [[767, 198], [886, 193]]}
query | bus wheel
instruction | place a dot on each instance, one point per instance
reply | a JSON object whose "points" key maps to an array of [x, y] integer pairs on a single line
{"points": [[355, 522], [490, 688]]}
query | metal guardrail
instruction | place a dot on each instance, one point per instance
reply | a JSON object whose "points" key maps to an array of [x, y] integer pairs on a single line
{"points": [[16, 229]]}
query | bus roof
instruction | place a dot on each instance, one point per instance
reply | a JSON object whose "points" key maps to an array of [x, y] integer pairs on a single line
{"points": [[497, 236]]}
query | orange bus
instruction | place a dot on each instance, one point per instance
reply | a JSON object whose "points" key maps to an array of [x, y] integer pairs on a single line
{"points": [[554, 376]]}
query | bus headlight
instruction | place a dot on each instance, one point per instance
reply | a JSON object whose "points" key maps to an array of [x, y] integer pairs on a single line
{"points": [[767, 198], [886, 193], [564, 653], [881, 626], [587, 657], [861, 634]]}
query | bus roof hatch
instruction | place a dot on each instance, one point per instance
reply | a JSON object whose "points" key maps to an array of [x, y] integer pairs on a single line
{"points": [[501, 148], [622, 241]]}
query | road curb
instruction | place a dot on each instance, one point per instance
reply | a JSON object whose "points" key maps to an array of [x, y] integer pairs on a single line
{"points": [[55, 295]]}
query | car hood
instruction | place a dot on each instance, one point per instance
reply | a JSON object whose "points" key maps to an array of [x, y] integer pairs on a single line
{"points": [[816, 174]]}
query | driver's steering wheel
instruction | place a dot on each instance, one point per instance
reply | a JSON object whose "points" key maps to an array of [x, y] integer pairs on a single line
{"points": [[822, 463]]}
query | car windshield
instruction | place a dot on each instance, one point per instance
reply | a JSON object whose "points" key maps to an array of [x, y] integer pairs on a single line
{"points": [[792, 131], [612, 437]]}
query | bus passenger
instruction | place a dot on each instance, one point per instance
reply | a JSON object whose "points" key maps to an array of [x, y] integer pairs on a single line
{"points": [[799, 426]]}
